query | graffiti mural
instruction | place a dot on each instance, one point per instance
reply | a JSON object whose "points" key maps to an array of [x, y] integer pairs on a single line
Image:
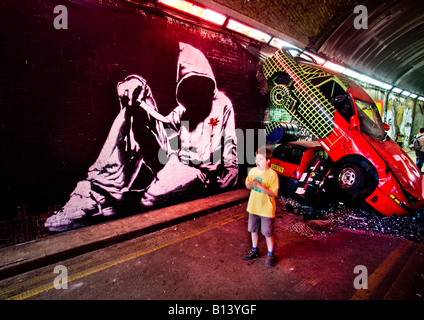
{"points": [[148, 155], [399, 117]]}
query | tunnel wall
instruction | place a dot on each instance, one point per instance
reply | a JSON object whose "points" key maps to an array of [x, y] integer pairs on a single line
{"points": [[62, 120]]}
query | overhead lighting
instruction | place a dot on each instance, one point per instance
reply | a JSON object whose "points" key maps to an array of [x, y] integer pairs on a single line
{"points": [[405, 93], [375, 82], [380, 84], [248, 31], [397, 90], [364, 78], [421, 98], [294, 52], [333, 66], [195, 10], [413, 95], [278, 43], [351, 73]]}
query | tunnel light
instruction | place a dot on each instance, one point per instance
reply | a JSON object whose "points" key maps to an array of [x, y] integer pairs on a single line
{"points": [[375, 82], [405, 93], [248, 31], [278, 43], [351, 73], [413, 95], [191, 8], [397, 90], [364, 78], [421, 98], [294, 52], [335, 67], [380, 84]]}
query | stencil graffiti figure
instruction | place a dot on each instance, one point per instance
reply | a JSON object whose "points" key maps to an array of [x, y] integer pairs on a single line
{"points": [[147, 156]]}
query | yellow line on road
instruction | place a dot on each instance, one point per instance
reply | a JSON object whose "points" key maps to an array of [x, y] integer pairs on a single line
{"points": [[382, 270], [91, 261], [125, 258]]}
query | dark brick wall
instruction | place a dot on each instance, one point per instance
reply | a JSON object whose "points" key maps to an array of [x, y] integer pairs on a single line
{"points": [[57, 87]]}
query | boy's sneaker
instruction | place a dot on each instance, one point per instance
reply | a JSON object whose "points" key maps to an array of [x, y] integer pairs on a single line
{"points": [[251, 254], [270, 261]]}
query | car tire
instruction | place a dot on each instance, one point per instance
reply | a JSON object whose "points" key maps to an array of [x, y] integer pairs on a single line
{"points": [[350, 179]]}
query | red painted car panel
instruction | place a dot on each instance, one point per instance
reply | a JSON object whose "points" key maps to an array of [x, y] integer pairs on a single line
{"points": [[346, 122]]}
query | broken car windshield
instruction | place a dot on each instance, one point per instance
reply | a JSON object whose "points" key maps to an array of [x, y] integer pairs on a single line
{"points": [[370, 119]]}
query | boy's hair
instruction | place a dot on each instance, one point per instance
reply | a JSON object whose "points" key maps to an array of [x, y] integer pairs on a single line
{"points": [[421, 130], [266, 152]]}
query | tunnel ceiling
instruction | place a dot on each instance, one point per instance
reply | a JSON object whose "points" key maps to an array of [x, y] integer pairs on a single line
{"points": [[391, 49]]}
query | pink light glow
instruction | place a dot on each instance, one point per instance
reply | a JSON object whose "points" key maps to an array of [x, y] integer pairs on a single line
{"points": [[248, 31]]}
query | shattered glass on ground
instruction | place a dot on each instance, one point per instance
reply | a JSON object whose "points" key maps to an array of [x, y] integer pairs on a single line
{"points": [[318, 223]]}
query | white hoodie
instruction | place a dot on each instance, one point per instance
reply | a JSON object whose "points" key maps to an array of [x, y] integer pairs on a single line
{"points": [[213, 141]]}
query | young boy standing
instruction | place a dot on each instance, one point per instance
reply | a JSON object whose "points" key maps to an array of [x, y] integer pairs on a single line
{"points": [[263, 183]]}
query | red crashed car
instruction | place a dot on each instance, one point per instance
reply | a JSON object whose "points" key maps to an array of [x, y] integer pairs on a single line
{"points": [[347, 124], [291, 160], [306, 171], [304, 168]]}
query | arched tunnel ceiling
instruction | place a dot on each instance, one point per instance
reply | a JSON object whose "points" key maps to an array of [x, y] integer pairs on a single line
{"points": [[390, 50]]}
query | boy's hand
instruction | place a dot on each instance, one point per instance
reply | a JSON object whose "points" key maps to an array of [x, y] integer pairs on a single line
{"points": [[253, 184], [257, 185]]}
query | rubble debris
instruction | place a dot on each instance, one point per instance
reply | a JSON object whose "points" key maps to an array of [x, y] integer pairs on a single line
{"points": [[409, 227]]}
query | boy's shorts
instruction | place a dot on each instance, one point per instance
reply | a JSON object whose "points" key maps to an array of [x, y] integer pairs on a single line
{"points": [[266, 225]]}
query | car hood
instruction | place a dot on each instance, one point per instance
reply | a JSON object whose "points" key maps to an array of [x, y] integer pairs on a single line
{"points": [[401, 165]]}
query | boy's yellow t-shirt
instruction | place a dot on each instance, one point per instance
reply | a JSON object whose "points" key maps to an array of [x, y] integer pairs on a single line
{"points": [[259, 202]]}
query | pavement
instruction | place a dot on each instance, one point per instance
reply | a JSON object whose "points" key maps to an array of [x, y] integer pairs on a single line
{"points": [[26, 256], [201, 259]]}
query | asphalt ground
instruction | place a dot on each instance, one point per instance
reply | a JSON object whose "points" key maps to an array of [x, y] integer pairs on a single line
{"points": [[49, 249]]}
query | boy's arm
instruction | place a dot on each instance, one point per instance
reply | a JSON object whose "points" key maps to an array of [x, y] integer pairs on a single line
{"points": [[264, 189], [272, 187], [249, 182]]}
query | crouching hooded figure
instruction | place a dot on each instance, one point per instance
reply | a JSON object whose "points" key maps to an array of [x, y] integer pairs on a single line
{"points": [[148, 156]]}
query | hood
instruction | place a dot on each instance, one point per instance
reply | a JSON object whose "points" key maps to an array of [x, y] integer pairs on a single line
{"points": [[192, 62], [402, 166]]}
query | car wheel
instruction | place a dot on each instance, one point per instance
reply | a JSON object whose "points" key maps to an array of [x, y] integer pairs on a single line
{"points": [[351, 179]]}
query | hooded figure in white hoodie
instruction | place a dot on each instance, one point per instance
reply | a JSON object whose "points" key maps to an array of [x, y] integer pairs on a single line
{"points": [[147, 156]]}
